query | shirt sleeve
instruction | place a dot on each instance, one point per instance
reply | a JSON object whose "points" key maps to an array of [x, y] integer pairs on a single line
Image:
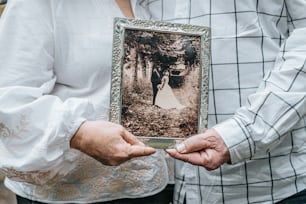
{"points": [[279, 105], [35, 126]]}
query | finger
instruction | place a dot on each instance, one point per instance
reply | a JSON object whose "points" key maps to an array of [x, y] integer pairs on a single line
{"points": [[193, 158], [171, 152], [193, 144], [138, 151]]}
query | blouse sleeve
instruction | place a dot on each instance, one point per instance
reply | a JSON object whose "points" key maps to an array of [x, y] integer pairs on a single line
{"points": [[35, 126], [279, 105]]}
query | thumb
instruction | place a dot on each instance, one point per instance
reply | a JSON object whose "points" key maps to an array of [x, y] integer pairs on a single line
{"points": [[138, 151]]}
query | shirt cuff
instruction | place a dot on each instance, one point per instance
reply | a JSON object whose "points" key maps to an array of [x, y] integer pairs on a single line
{"points": [[71, 155], [72, 127], [237, 139]]}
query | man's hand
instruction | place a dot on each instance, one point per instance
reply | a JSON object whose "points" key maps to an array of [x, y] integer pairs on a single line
{"points": [[206, 149], [109, 143]]}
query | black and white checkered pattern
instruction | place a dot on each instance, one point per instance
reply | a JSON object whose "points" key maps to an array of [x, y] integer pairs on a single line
{"points": [[257, 97]]}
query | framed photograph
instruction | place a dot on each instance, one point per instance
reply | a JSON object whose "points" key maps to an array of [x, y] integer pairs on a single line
{"points": [[159, 89]]}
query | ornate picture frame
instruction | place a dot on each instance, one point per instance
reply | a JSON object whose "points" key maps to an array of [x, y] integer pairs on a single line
{"points": [[159, 89]]}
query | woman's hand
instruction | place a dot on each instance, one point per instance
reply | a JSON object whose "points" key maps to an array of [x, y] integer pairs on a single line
{"points": [[109, 143]]}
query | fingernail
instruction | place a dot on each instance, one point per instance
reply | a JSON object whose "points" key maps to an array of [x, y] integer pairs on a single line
{"points": [[180, 147]]}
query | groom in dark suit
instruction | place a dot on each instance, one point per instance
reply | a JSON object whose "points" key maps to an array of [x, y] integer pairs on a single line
{"points": [[155, 80]]}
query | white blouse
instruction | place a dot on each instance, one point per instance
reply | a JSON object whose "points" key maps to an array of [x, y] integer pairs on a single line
{"points": [[55, 72]]}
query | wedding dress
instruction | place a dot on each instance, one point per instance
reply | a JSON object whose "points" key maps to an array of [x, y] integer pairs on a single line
{"points": [[165, 97]]}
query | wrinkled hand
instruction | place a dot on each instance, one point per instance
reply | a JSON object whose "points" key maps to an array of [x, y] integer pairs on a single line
{"points": [[109, 143], [206, 149]]}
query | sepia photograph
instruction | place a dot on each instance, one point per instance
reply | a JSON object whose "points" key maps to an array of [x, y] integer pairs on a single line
{"points": [[160, 80]]}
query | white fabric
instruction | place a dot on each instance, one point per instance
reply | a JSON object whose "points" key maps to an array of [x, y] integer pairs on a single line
{"points": [[258, 55], [55, 70], [165, 97]]}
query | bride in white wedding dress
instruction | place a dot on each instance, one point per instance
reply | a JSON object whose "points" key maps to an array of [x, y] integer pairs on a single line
{"points": [[165, 97]]}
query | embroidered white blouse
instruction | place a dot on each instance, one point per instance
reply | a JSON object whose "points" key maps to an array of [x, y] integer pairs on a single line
{"points": [[55, 63]]}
